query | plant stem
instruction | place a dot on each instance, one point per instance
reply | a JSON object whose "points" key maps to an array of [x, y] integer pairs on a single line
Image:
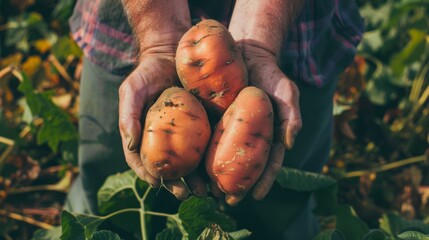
{"points": [[146, 193], [25, 219], [160, 214], [8, 150], [143, 213], [386, 167], [119, 212]]}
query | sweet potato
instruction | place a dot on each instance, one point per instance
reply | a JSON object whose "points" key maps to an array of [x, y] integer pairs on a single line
{"points": [[211, 66], [175, 136], [241, 142]]}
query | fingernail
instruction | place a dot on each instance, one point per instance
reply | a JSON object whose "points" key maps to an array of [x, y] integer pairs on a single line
{"points": [[293, 139], [130, 144]]}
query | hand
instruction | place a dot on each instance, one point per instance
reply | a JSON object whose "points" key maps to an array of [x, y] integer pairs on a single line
{"points": [[265, 74], [155, 72]]}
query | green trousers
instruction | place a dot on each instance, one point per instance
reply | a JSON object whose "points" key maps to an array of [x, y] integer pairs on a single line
{"points": [[100, 155]]}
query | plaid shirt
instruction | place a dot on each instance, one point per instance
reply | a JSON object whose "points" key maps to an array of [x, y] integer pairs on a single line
{"points": [[318, 47]]}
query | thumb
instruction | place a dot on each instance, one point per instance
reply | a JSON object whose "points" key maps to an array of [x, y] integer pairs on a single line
{"points": [[286, 98]]}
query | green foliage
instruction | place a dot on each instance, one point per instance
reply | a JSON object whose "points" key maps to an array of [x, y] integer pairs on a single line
{"points": [[393, 56], [57, 127]]}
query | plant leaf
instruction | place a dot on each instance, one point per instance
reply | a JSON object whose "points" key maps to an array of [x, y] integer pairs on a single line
{"points": [[51, 234], [169, 234], [198, 213], [350, 224], [78, 226], [65, 47], [117, 193], [298, 180], [324, 187], [105, 235], [375, 235], [410, 53], [240, 234], [413, 235], [214, 232], [330, 234], [394, 224], [113, 185], [57, 126]]}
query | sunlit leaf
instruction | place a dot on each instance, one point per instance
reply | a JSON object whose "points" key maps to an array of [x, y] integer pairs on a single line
{"points": [[32, 65], [411, 53], [42, 45], [57, 126], [395, 224], [412, 235], [65, 47], [43, 234]]}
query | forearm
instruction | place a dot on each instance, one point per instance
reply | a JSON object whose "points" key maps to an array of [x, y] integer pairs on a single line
{"points": [[263, 24], [158, 25]]}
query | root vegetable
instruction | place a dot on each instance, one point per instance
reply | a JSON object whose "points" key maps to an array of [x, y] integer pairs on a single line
{"points": [[211, 66], [175, 135], [240, 145]]}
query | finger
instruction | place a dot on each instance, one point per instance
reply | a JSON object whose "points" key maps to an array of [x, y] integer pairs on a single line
{"points": [[234, 199], [289, 113], [274, 165], [215, 190], [178, 188], [131, 105], [134, 162], [196, 184]]}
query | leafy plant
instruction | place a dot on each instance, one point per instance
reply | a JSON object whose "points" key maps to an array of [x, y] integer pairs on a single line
{"points": [[193, 216]]}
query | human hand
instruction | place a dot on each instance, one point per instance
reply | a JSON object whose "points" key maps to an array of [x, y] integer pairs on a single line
{"points": [[155, 72]]}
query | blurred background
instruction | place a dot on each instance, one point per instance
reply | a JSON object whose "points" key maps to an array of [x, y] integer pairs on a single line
{"points": [[379, 156]]}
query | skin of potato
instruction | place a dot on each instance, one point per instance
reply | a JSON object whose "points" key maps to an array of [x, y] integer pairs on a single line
{"points": [[175, 135], [240, 145], [211, 66]]}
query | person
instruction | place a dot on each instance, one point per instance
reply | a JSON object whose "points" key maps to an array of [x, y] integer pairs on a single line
{"points": [[294, 50]]}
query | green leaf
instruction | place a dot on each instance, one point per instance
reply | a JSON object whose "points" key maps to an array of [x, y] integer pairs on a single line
{"points": [[411, 53], [240, 234], [63, 10], [375, 235], [78, 226], [394, 224], [198, 213], [324, 187], [57, 126], [375, 17], [371, 41], [379, 89], [330, 234], [68, 151], [117, 193], [298, 180], [214, 232], [413, 235], [115, 184], [105, 235], [64, 47], [169, 234], [43, 234], [350, 224]]}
